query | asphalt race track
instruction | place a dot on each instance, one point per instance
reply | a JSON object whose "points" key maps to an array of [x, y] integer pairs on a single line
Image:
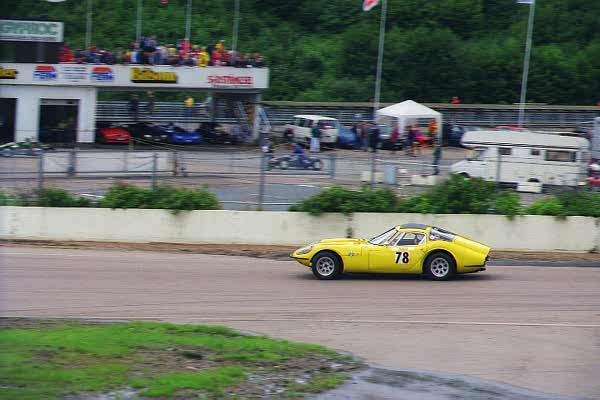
{"points": [[533, 327]]}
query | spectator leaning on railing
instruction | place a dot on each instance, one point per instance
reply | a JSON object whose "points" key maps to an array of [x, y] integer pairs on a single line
{"points": [[148, 51]]}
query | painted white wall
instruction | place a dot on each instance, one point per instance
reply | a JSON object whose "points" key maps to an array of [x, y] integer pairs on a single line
{"points": [[540, 233], [27, 116], [102, 162]]}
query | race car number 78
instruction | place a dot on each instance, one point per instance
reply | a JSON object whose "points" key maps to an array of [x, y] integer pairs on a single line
{"points": [[402, 257]]}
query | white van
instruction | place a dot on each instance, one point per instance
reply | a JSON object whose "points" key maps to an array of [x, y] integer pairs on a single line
{"points": [[301, 126], [515, 157]]}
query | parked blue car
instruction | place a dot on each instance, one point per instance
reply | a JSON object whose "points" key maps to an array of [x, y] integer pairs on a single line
{"points": [[178, 135], [346, 138]]}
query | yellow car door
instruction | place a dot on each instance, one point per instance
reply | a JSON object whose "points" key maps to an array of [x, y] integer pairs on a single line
{"points": [[403, 254]]}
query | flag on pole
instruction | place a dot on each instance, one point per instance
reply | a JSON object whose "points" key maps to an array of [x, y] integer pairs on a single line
{"points": [[526, 1], [368, 4]]}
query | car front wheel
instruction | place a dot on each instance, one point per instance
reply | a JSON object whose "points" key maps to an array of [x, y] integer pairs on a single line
{"points": [[326, 266], [440, 267]]}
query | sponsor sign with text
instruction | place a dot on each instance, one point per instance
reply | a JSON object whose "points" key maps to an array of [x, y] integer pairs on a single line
{"points": [[31, 31], [230, 81], [8, 73], [102, 74], [44, 73], [74, 73], [148, 75]]}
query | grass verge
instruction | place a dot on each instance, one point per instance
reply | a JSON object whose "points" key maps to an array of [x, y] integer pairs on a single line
{"points": [[86, 360]]}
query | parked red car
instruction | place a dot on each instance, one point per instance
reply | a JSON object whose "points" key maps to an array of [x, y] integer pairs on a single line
{"points": [[112, 134]]}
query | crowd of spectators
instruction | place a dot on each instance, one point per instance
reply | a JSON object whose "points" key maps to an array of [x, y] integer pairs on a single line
{"points": [[149, 52]]}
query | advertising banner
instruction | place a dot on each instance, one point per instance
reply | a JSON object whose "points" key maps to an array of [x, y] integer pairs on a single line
{"points": [[31, 31], [134, 76]]}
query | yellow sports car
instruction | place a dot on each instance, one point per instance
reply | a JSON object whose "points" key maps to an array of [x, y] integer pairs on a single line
{"points": [[404, 249]]}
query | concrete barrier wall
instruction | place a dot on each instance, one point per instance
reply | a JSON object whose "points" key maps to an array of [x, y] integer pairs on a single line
{"points": [[284, 228]]}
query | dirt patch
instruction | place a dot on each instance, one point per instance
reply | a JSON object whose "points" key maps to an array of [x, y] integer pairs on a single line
{"points": [[273, 252]]}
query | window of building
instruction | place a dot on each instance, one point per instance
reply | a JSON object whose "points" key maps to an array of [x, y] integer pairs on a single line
{"points": [[535, 152], [505, 151]]}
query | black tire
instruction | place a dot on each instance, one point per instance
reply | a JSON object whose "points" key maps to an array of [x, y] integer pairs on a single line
{"points": [[440, 266], [327, 266]]}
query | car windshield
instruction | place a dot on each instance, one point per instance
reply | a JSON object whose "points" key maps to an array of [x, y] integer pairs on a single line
{"points": [[384, 238]]}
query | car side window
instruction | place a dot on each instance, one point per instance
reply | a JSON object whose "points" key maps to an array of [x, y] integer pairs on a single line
{"points": [[409, 239]]}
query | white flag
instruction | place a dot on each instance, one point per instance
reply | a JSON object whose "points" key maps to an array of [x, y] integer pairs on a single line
{"points": [[368, 4], [526, 1]]}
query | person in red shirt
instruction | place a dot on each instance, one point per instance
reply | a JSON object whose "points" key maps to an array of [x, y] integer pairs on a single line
{"points": [[216, 58], [455, 100]]}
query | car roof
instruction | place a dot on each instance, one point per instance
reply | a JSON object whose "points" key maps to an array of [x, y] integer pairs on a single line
{"points": [[315, 117]]}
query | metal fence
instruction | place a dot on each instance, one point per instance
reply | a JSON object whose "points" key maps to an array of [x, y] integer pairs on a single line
{"points": [[241, 180]]}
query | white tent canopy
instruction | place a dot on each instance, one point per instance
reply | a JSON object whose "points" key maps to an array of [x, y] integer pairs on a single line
{"points": [[408, 111]]}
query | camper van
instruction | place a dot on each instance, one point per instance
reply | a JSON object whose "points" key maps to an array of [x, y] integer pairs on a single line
{"points": [[517, 158]]}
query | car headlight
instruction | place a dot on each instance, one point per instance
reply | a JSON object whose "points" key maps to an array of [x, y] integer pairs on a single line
{"points": [[147, 136], [304, 250], [163, 136]]}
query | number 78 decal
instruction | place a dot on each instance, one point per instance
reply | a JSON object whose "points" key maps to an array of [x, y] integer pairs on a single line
{"points": [[402, 257]]}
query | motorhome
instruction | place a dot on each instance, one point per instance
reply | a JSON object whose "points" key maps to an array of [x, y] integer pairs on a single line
{"points": [[517, 158]]}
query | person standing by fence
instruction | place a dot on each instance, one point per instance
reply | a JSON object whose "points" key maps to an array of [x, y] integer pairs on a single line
{"points": [[149, 102], [315, 138], [189, 107], [134, 106]]}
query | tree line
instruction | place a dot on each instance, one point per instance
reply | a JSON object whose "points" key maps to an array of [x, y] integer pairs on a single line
{"points": [[327, 51]]}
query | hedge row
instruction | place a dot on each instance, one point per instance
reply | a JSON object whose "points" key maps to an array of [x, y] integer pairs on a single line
{"points": [[120, 195], [457, 195]]}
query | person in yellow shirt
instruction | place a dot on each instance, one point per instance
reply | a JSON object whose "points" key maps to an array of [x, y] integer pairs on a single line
{"points": [[203, 57], [189, 106], [220, 46]]}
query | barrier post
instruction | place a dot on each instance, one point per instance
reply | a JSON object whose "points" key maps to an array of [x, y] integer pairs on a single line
{"points": [[373, 161], [72, 161], [41, 171], [261, 184], [332, 166], [154, 168]]}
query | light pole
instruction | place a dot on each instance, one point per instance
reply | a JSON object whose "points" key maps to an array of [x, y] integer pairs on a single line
{"points": [[236, 18], [138, 22], [526, 59], [88, 25], [188, 21]]}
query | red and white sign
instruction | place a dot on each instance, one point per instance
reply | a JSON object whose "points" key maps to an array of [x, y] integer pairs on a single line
{"points": [[368, 4], [230, 80]]}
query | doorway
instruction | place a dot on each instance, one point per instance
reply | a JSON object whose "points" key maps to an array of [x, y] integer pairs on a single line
{"points": [[8, 108], [58, 121]]}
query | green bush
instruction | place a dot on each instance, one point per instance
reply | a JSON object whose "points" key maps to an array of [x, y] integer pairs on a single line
{"points": [[508, 203], [51, 197], [338, 199], [551, 206], [575, 202], [122, 195]]}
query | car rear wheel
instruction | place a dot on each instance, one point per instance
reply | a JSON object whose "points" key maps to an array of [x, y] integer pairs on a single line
{"points": [[326, 266], [440, 267], [284, 164]]}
